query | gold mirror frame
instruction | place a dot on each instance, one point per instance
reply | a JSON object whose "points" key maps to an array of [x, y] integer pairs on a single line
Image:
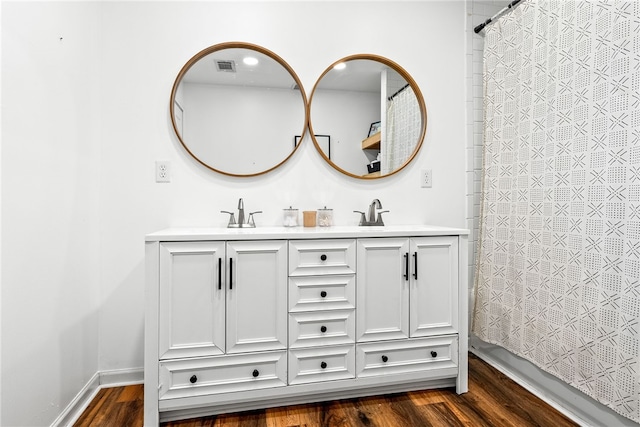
{"points": [[410, 81], [237, 45]]}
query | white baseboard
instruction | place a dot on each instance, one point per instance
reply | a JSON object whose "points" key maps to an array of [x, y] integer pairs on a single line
{"points": [[99, 380], [121, 377], [569, 401], [74, 409], [527, 386]]}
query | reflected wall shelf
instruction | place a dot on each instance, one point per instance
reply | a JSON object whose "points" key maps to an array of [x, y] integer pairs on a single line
{"points": [[371, 143]]}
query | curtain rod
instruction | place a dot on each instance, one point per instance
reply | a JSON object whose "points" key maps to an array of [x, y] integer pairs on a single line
{"points": [[400, 90], [488, 21], [397, 92]]}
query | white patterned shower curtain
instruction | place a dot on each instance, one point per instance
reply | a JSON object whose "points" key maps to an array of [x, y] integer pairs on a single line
{"points": [[558, 274], [403, 126]]}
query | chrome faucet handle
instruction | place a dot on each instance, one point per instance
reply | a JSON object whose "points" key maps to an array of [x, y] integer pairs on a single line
{"points": [[363, 219], [232, 218], [250, 221], [379, 221]]}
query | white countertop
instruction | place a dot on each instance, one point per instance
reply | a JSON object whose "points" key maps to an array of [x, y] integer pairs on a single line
{"points": [[335, 232]]}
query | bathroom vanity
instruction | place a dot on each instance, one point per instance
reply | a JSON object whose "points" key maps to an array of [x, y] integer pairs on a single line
{"points": [[240, 319]]}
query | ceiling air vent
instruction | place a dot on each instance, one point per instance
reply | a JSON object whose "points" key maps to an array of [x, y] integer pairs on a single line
{"points": [[228, 66]]}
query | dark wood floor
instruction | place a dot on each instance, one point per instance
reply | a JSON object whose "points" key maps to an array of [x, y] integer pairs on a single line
{"points": [[493, 400]]}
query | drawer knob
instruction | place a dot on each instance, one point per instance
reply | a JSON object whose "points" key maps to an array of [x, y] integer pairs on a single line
{"points": [[255, 373], [193, 379], [385, 358], [323, 365], [323, 329], [323, 257], [434, 354], [323, 294]]}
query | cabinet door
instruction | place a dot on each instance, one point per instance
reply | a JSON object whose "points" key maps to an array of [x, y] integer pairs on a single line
{"points": [[382, 289], [192, 306], [434, 286], [256, 295]]}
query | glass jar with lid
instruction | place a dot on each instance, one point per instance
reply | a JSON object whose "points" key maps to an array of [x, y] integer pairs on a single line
{"points": [[290, 217], [325, 217]]}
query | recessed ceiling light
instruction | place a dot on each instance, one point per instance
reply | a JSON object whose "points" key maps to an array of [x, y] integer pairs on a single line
{"points": [[250, 60], [340, 66]]}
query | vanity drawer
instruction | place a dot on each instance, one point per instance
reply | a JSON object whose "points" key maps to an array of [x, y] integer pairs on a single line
{"points": [[319, 328], [317, 257], [222, 374], [312, 365], [405, 356], [308, 293]]}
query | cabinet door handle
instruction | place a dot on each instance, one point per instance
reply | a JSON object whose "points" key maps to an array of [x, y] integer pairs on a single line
{"points": [[193, 379], [219, 273], [323, 257], [323, 329], [434, 354], [323, 365], [255, 373], [323, 294], [415, 265], [230, 273], [384, 359], [406, 266]]}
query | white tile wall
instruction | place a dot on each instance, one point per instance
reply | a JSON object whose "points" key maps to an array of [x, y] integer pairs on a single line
{"points": [[477, 12]]}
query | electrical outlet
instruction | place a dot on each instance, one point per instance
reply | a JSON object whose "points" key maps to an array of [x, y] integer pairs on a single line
{"points": [[426, 178], [163, 171]]}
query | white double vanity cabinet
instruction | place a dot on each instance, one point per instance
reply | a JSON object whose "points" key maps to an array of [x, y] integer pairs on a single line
{"points": [[240, 319]]}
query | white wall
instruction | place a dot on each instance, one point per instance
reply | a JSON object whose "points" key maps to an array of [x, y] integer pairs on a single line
{"points": [[0, 228], [309, 36], [50, 219], [75, 270], [346, 116]]}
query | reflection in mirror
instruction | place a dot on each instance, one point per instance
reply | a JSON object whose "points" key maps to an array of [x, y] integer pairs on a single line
{"points": [[374, 112], [236, 107]]}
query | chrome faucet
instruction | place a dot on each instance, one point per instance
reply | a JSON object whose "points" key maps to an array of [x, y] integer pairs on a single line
{"points": [[240, 211], [372, 210], [373, 220], [241, 223]]}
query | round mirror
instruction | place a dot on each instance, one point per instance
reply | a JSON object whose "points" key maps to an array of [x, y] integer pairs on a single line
{"points": [[238, 109], [367, 116]]}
